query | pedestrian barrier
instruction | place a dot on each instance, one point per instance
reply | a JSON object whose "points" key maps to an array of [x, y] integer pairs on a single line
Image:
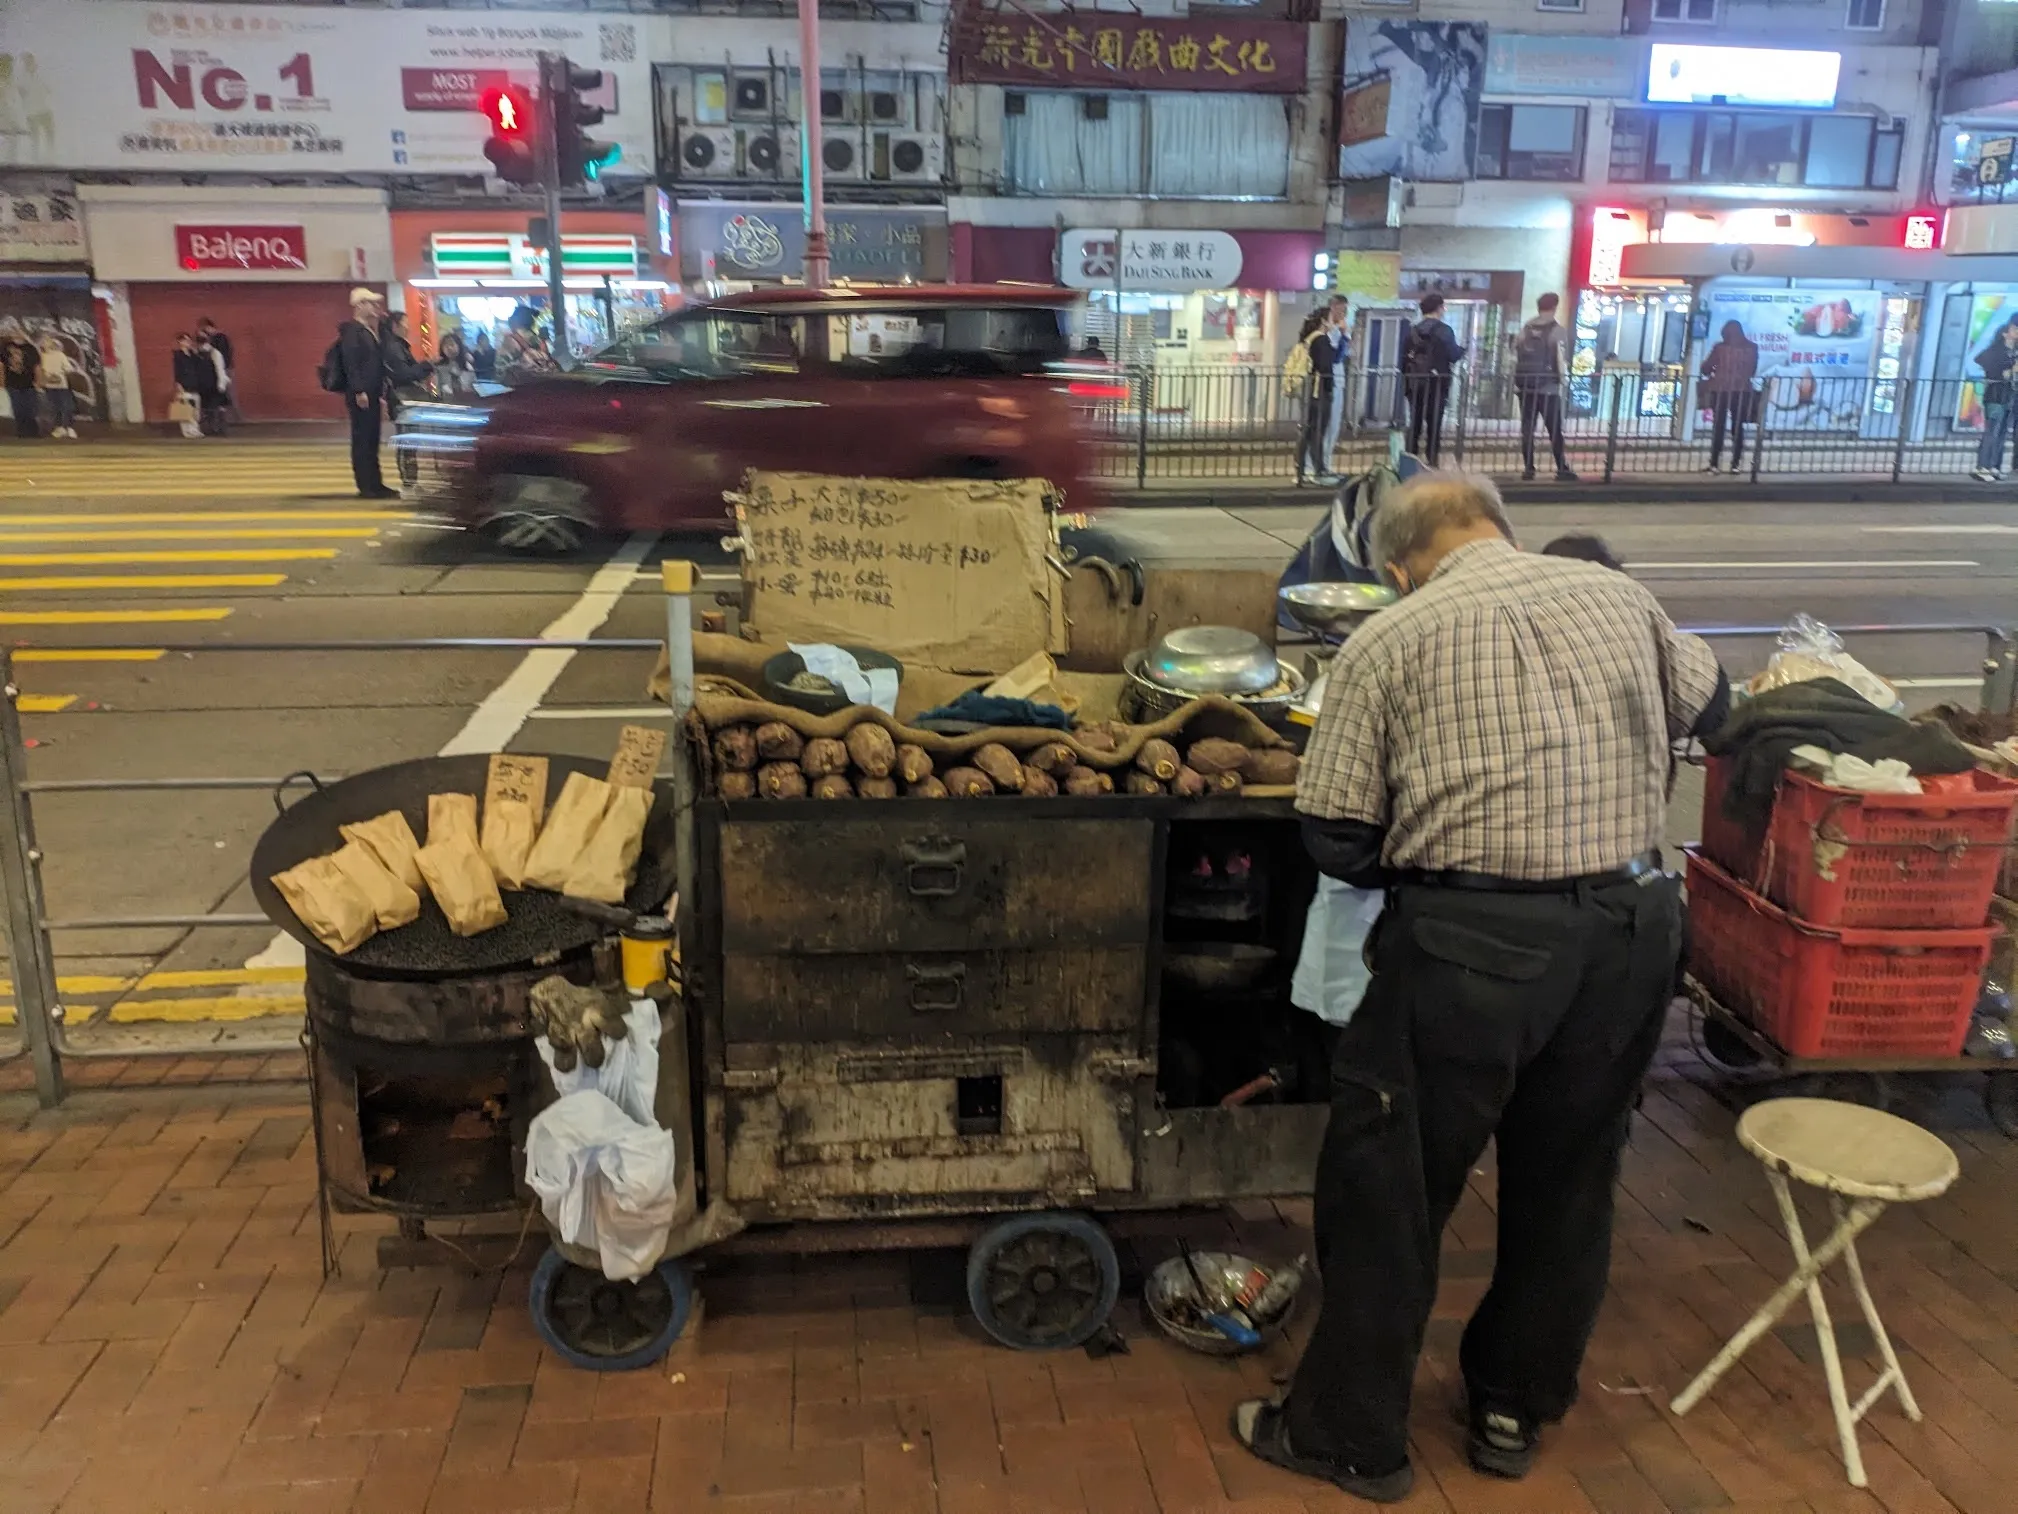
{"points": [[41, 1021]]}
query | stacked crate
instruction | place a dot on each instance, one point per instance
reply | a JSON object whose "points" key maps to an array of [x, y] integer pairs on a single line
{"points": [[1855, 924]]}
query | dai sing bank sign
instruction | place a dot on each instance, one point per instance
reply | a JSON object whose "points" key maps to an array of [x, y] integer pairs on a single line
{"points": [[241, 248]]}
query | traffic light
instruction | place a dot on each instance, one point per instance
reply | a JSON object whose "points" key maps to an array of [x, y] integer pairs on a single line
{"points": [[579, 158], [510, 148]]}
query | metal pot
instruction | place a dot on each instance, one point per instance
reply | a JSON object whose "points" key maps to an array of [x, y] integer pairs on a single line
{"points": [[1143, 701], [1210, 660], [1335, 609]]}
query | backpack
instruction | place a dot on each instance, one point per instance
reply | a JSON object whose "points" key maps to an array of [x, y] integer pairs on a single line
{"points": [[1296, 369], [1418, 357], [330, 375], [1535, 354]]}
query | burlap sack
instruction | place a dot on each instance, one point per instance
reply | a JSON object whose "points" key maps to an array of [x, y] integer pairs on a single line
{"points": [[325, 900], [450, 816], [391, 900], [603, 869], [390, 839], [462, 884], [569, 828]]}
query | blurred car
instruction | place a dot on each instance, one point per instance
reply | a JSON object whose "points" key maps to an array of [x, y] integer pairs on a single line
{"points": [[915, 381]]}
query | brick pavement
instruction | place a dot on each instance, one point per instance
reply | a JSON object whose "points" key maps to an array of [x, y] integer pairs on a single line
{"points": [[167, 1344]]}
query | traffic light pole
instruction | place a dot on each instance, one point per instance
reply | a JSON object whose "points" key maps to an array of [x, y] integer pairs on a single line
{"points": [[550, 180], [811, 144]]}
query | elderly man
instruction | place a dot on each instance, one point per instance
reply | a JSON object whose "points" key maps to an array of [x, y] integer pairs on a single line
{"points": [[1494, 751], [360, 378]]}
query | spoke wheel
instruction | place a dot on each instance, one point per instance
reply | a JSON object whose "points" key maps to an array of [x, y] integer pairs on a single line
{"points": [[540, 516], [1043, 1282], [606, 1326]]}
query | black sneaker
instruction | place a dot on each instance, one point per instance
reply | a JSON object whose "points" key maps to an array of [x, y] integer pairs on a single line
{"points": [[1527, 475], [1500, 1444], [1566, 476]]}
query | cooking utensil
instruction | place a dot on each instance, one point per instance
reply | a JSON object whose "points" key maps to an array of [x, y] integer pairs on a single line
{"points": [[828, 698], [1172, 1299], [1144, 701], [1335, 609], [1211, 660], [1218, 964], [1214, 1307], [540, 925]]}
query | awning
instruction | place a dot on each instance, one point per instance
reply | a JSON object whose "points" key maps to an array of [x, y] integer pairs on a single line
{"points": [[1705, 260]]}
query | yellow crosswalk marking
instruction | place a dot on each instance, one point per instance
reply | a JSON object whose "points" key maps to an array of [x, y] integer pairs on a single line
{"points": [[111, 617], [186, 1011], [176, 555], [202, 977], [86, 583], [197, 517], [180, 533], [44, 704], [90, 654]]}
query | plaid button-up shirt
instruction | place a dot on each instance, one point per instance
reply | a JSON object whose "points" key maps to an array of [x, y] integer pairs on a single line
{"points": [[1512, 717]]}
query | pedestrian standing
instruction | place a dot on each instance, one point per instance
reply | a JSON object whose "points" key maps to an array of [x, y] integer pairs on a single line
{"points": [[1996, 360], [483, 356], [52, 379], [218, 342], [1493, 752], [355, 368], [1728, 371], [1313, 371], [195, 385], [1340, 333], [1429, 351], [402, 369], [21, 357], [1541, 358], [453, 374], [522, 356], [212, 402]]}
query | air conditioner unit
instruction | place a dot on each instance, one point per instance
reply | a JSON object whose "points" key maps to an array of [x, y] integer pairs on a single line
{"points": [[886, 107], [840, 106], [750, 97], [706, 153], [904, 157], [842, 156], [769, 152]]}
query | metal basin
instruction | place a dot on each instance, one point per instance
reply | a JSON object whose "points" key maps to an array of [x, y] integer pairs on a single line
{"points": [[1170, 1298], [1211, 660], [1335, 608], [1144, 700]]}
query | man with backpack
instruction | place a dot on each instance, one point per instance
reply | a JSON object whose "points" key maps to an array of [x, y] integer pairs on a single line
{"points": [[1541, 357], [354, 367], [1429, 350]]}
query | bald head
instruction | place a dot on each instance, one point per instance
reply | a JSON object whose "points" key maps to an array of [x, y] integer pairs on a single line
{"points": [[1430, 517]]}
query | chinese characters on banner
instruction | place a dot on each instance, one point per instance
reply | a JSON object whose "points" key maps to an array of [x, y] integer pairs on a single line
{"points": [[1092, 51], [40, 227]]}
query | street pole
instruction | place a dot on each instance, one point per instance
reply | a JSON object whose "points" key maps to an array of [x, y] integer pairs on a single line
{"points": [[810, 144], [550, 179]]}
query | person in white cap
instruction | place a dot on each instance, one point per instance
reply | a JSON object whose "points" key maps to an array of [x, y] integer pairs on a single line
{"points": [[355, 368]]}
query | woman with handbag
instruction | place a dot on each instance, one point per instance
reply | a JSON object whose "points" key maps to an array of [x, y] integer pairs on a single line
{"points": [[195, 378]]}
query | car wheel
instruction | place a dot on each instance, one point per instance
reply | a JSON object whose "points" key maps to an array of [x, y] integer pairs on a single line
{"points": [[539, 514]]}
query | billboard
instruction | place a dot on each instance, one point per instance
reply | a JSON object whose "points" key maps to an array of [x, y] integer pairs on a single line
{"points": [[1684, 74], [122, 84], [1817, 345], [1436, 73]]}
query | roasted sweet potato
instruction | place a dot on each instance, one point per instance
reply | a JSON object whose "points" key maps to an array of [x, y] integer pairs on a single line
{"points": [[1159, 760], [833, 786], [781, 780], [823, 756], [778, 742], [1054, 757], [1038, 785], [735, 749], [876, 788], [1141, 783], [1096, 738], [1188, 784], [928, 787], [1213, 756], [914, 763], [968, 783], [1223, 783], [1083, 781], [1272, 765], [871, 749], [738, 785], [1001, 766]]}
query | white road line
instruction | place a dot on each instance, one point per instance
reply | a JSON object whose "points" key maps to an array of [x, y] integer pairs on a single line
{"points": [[603, 712], [505, 709], [1941, 530], [1935, 683], [1846, 562]]}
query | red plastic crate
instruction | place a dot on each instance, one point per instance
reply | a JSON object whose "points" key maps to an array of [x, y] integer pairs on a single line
{"points": [[1919, 861], [1837, 992]]}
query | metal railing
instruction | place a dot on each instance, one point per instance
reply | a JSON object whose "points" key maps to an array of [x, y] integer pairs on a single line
{"points": [[1239, 421]]}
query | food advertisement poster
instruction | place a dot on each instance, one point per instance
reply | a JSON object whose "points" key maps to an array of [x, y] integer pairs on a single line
{"points": [[1817, 347]]}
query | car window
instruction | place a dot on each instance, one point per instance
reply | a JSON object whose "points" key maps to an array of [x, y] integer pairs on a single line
{"points": [[708, 344], [931, 341]]}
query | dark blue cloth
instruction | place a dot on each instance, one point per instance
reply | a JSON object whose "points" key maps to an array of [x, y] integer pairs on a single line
{"points": [[984, 709]]}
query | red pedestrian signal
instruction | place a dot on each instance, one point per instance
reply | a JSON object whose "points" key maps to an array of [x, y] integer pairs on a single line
{"points": [[510, 148], [508, 111]]}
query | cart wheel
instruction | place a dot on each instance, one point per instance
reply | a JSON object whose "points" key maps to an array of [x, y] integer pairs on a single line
{"points": [[1726, 1048], [602, 1326], [1043, 1282], [2000, 1099], [1871, 1089]]}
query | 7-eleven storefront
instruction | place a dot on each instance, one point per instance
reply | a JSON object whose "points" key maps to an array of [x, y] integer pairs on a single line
{"points": [[466, 277]]}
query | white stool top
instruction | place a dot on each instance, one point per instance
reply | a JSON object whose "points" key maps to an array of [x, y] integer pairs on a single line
{"points": [[1848, 1149]]}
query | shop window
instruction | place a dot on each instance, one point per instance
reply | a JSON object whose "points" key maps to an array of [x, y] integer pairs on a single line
{"points": [[1839, 152], [1886, 147], [1753, 147], [1530, 142], [1699, 11], [1980, 162], [1865, 16], [1766, 150], [1163, 143]]}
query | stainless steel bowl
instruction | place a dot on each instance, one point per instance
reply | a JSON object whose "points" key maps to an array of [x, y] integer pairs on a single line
{"points": [[1144, 701], [1211, 660], [1335, 608], [1170, 1298]]}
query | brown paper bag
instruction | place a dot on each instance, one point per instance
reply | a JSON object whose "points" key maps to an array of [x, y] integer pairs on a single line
{"points": [[514, 798], [390, 839], [451, 815], [462, 884], [520, 778], [603, 870], [328, 903], [391, 900], [568, 829]]}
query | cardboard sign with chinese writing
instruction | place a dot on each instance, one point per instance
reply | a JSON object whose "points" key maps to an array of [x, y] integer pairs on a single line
{"points": [[1105, 50], [636, 763], [938, 573]]}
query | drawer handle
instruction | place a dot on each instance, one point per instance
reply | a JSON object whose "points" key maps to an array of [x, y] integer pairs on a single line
{"points": [[940, 986], [934, 866]]}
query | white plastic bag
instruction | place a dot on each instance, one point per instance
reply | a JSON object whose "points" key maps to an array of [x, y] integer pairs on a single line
{"points": [[1810, 650], [606, 1183], [1331, 975]]}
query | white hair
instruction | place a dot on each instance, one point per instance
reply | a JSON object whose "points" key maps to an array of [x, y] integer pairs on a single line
{"points": [[1410, 517]]}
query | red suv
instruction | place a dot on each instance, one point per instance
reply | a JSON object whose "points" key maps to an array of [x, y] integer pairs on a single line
{"points": [[918, 381]]}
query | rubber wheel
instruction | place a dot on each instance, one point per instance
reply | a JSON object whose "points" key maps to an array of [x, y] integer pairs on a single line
{"points": [[1043, 1282], [601, 1326], [2000, 1101], [539, 516], [1871, 1089], [1726, 1047]]}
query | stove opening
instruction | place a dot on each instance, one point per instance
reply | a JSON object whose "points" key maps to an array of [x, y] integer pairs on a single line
{"points": [[978, 1105], [437, 1141]]}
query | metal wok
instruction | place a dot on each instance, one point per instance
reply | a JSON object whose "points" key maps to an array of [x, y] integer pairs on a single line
{"points": [[540, 925]]}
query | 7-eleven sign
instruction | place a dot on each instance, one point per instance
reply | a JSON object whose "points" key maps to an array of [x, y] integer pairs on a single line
{"points": [[511, 255]]}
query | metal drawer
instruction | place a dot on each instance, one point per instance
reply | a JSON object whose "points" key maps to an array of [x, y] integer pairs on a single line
{"points": [[919, 995], [937, 882]]}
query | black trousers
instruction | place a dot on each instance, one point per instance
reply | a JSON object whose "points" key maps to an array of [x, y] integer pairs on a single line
{"points": [[1530, 1017], [364, 425], [23, 401], [1545, 405], [1728, 409], [1426, 399], [1310, 458]]}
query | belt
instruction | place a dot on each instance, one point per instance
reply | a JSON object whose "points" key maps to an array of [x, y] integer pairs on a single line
{"points": [[1491, 883]]}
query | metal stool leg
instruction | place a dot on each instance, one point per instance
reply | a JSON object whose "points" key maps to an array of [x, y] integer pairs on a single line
{"points": [[1825, 1331], [1894, 1375]]}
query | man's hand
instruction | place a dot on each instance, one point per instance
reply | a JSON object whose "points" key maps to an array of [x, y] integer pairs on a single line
{"points": [[362, 401]]}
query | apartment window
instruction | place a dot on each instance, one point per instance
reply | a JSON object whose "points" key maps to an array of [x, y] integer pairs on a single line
{"points": [[1753, 147], [1530, 142], [1700, 11], [1559, 5], [1865, 16], [1194, 146]]}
